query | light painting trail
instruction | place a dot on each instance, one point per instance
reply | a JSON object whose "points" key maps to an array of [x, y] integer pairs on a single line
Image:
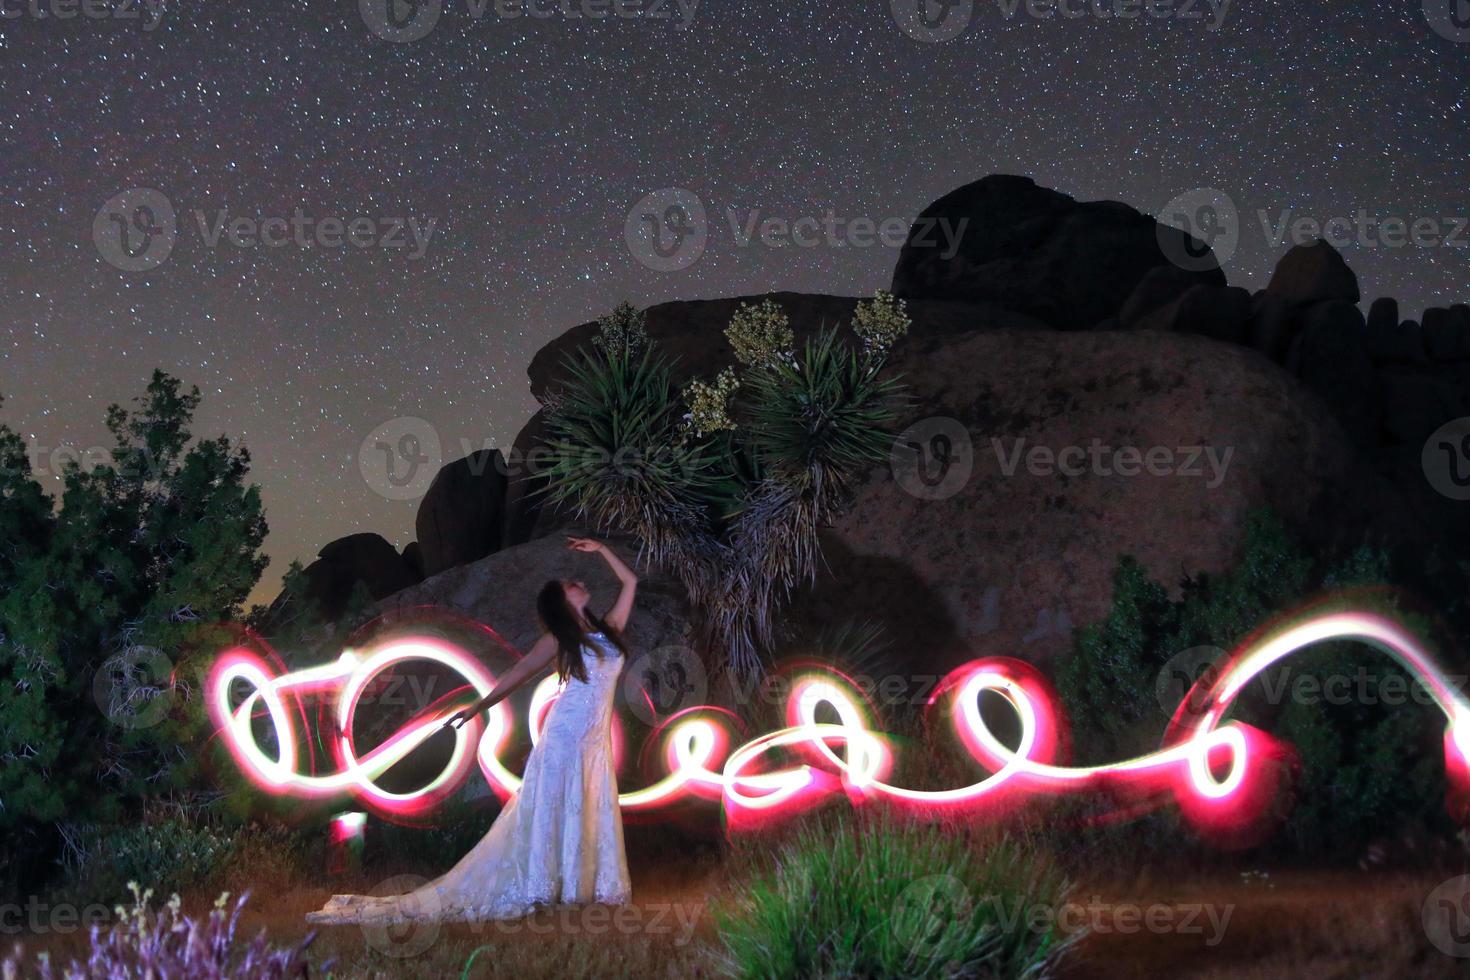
{"points": [[1223, 774]]}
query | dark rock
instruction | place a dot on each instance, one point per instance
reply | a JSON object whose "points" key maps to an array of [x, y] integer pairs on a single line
{"points": [[1272, 327], [414, 556], [500, 591], [1220, 313], [1036, 251], [1447, 333], [1383, 315], [1161, 286], [1331, 356], [524, 500], [692, 332], [342, 564], [1416, 403], [1313, 273], [1010, 561], [462, 516]]}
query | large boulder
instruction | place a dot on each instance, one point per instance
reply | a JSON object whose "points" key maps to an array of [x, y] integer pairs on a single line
{"points": [[1314, 273], [1004, 240], [1080, 448], [692, 332], [500, 591], [1447, 333], [366, 558], [1331, 355], [1218, 312], [462, 516]]}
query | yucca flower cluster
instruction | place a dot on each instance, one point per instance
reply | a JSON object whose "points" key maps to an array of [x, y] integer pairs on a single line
{"points": [[726, 482]]}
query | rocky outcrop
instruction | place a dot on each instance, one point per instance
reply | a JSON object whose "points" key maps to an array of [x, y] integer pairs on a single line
{"points": [[342, 564], [1039, 252], [500, 591], [462, 516], [1314, 273], [1081, 448]]}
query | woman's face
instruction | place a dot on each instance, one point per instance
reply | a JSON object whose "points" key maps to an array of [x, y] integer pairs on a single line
{"points": [[576, 593]]}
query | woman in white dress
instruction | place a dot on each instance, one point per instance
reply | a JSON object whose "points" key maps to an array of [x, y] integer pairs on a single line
{"points": [[560, 839]]}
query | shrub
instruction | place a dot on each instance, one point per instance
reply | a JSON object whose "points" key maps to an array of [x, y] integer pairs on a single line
{"points": [[879, 898], [1353, 782], [167, 943]]}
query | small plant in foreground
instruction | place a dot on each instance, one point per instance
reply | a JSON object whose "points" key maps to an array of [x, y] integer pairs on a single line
{"points": [[167, 943], [880, 898]]}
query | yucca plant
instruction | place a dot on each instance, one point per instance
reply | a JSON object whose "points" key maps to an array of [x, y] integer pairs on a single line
{"points": [[725, 483]]}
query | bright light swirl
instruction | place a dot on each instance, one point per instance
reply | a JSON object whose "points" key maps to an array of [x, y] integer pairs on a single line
{"points": [[1218, 771]]}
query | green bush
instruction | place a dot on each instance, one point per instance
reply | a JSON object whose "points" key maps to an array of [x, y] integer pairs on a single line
{"points": [[1366, 768], [877, 898]]}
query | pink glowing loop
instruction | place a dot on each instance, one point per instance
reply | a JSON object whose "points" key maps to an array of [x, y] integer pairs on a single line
{"points": [[1222, 774]]}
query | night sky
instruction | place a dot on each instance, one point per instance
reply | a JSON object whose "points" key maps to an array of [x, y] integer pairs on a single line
{"points": [[528, 140]]}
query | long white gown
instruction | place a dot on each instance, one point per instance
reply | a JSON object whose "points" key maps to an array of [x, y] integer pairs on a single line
{"points": [[558, 841]]}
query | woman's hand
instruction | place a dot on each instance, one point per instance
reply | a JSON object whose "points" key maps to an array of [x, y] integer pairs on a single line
{"points": [[461, 717], [588, 545]]}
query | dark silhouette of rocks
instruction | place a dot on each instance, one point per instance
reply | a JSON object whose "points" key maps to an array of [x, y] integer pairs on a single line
{"points": [[462, 516], [1314, 273], [1326, 412], [1039, 252], [366, 558]]}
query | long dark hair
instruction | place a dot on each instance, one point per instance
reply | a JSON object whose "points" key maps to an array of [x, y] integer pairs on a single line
{"points": [[561, 622]]}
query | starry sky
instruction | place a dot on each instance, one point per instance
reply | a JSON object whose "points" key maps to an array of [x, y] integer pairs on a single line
{"points": [[526, 140]]}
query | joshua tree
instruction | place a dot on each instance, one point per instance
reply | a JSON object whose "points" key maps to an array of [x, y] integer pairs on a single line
{"points": [[727, 482]]}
